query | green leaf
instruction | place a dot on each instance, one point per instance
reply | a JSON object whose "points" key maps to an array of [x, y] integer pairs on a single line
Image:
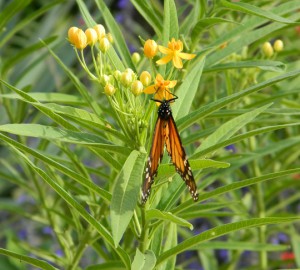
{"points": [[77, 83], [235, 245], [146, 10], [219, 231], [254, 10], [171, 242], [167, 216], [267, 65], [234, 186], [195, 116], [188, 90], [126, 193], [241, 137], [205, 24], [252, 30], [56, 165], [143, 261], [231, 127], [103, 232], [29, 260], [171, 28], [63, 135], [167, 170], [49, 97]]}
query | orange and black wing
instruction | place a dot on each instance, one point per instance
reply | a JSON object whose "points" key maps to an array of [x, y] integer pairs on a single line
{"points": [[156, 153], [178, 156]]}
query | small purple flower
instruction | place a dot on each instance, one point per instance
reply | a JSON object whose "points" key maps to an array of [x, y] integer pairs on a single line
{"points": [[222, 255], [22, 234], [231, 148], [47, 230], [119, 18], [122, 4], [59, 253]]}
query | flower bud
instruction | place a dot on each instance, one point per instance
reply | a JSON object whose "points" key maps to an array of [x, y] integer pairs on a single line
{"points": [[150, 48], [80, 40], [100, 31], [72, 34], [135, 58], [104, 44], [137, 88], [278, 45], [268, 49], [145, 78], [104, 79], [117, 75], [91, 36], [109, 89], [126, 78], [110, 38]]}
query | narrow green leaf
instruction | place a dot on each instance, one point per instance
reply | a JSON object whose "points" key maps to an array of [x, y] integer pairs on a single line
{"points": [[146, 10], [29, 260], [63, 135], [188, 90], [113, 265], [234, 245], [230, 127], [267, 65], [49, 97], [103, 232], [254, 10], [167, 216], [56, 165], [171, 29], [252, 30], [241, 137], [195, 116], [219, 231], [143, 261], [205, 24], [171, 242], [167, 170], [77, 83], [126, 193], [234, 186]]}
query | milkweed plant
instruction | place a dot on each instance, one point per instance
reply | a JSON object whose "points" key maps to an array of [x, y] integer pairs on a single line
{"points": [[81, 84]]}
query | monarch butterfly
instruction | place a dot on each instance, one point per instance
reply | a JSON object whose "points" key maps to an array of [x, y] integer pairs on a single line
{"points": [[166, 132]]}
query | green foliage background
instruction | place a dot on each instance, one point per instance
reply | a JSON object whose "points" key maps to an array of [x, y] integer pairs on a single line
{"points": [[62, 166]]}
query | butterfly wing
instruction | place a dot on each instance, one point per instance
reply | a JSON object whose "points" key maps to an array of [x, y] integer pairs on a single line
{"points": [[178, 156], [154, 158]]}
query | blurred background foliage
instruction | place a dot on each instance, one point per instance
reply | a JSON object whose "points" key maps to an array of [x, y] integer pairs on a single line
{"points": [[35, 220]]}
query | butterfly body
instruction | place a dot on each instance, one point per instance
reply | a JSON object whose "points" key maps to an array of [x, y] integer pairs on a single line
{"points": [[166, 134]]}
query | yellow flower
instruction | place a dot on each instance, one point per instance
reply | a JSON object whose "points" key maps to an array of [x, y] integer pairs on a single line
{"points": [[150, 48], [161, 88], [174, 53]]}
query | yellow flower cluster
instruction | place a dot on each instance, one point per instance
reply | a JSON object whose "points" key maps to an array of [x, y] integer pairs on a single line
{"points": [[91, 36]]}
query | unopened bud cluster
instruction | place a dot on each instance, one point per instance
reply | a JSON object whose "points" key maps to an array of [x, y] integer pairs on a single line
{"points": [[268, 49], [90, 37]]}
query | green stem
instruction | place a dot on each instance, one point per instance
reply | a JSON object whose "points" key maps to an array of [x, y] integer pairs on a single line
{"points": [[261, 212], [145, 231]]}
